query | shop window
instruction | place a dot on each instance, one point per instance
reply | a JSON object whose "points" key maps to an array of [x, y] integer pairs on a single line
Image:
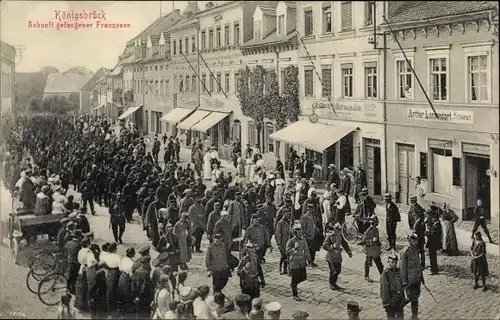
{"points": [[236, 132], [457, 178], [442, 165], [269, 145], [225, 129]]}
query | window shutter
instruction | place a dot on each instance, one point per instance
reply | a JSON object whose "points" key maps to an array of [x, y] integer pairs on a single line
{"points": [[346, 15]]}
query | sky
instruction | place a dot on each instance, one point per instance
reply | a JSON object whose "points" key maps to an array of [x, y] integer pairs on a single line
{"points": [[65, 48]]}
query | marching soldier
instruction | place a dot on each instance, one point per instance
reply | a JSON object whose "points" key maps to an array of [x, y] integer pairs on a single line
{"points": [[371, 247], [391, 290], [216, 263], [415, 212], [223, 226], [88, 189], [298, 258], [310, 230], [333, 245], [434, 235], [392, 219], [250, 272], [282, 235], [257, 233], [152, 218], [411, 272], [117, 219], [141, 287], [419, 230]]}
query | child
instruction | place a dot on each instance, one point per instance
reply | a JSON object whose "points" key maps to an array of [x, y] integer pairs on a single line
{"points": [[257, 313]]}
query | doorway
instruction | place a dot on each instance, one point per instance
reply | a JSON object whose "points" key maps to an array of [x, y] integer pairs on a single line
{"points": [[477, 184], [372, 166], [406, 172]]}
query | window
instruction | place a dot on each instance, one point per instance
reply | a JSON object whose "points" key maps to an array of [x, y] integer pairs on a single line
{"points": [[211, 88], [161, 67], [174, 48], [269, 142], [405, 80], [326, 77], [226, 82], [281, 25], [327, 17], [193, 83], [186, 41], [210, 39], [236, 33], [193, 43], [188, 82], [257, 34], [219, 37], [167, 88], [308, 22], [442, 168], [347, 80], [308, 82], [346, 15], [181, 84], [219, 76], [180, 45], [236, 79], [204, 81], [176, 84], [162, 89], [282, 80], [478, 78], [226, 35], [156, 68], [203, 40], [157, 88], [369, 11], [438, 80], [371, 80]]}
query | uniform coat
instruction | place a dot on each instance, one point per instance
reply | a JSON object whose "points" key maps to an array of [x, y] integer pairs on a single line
{"points": [[371, 242]]}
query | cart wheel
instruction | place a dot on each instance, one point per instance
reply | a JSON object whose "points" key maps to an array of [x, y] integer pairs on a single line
{"points": [[14, 250], [40, 270], [52, 288], [43, 257], [350, 232]]}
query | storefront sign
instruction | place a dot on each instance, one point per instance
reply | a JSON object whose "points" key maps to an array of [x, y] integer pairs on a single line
{"points": [[347, 110], [450, 116], [211, 103]]}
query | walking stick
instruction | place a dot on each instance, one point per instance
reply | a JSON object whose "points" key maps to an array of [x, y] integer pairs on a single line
{"points": [[429, 291]]}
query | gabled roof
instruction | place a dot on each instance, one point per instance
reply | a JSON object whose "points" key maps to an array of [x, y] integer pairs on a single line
{"points": [[161, 24], [65, 82], [127, 56], [92, 81], [414, 11], [117, 70], [267, 10], [269, 39]]}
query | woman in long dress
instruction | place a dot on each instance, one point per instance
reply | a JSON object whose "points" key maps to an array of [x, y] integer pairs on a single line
{"points": [[216, 173], [181, 231], [450, 243], [479, 263], [240, 165], [81, 291], [279, 191], [112, 261], [207, 166], [249, 168], [124, 294]]}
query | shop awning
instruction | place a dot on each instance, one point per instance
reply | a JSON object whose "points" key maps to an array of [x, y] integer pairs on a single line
{"points": [[313, 136], [176, 115], [193, 119], [211, 120], [129, 112]]}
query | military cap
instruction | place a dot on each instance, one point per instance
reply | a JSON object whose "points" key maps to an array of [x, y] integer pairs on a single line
{"points": [[345, 169], [387, 196], [144, 250], [413, 198], [300, 315], [413, 236], [238, 193], [260, 206], [161, 259], [70, 223], [28, 171], [187, 294], [218, 236], [255, 216], [310, 205], [297, 226], [393, 257], [45, 189], [73, 215], [353, 306], [187, 191], [273, 306], [64, 220]]}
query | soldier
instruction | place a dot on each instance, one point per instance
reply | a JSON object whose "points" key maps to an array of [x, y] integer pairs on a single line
{"points": [[257, 233], [310, 229], [250, 272], [282, 235], [83, 223], [411, 272], [216, 263], [117, 219], [371, 247], [158, 265], [480, 215], [61, 234], [145, 205], [88, 189], [72, 248], [298, 258], [415, 212], [391, 290], [223, 226], [333, 245], [213, 217], [419, 230], [152, 218], [143, 251], [434, 235], [392, 218], [353, 310], [141, 287]]}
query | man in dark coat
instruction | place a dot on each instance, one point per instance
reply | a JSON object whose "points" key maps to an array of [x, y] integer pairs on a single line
{"points": [[391, 289], [345, 184], [141, 287], [145, 205], [72, 249], [88, 190], [117, 218], [392, 218], [415, 212], [152, 219], [308, 167], [282, 234], [434, 235], [216, 263], [333, 176], [333, 245], [480, 216], [411, 272]]}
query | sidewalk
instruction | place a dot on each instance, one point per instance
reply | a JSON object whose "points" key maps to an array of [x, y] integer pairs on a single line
{"points": [[463, 229]]}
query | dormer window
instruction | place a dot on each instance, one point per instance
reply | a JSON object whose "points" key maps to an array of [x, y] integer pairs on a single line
{"points": [[327, 17], [281, 25], [257, 31], [369, 10]]}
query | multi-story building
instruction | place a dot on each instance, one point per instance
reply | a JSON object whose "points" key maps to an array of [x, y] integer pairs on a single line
{"points": [[88, 93], [126, 60], [114, 93], [342, 115], [8, 72], [222, 29], [102, 94], [146, 71], [454, 53], [274, 48]]}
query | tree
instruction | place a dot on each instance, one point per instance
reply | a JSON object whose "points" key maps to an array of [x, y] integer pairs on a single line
{"points": [[49, 69], [79, 69]]}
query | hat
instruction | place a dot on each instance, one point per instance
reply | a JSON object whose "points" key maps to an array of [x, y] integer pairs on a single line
{"points": [[345, 169], [161, 259], [73, 215], [218, 236], [413, 236], [353, 306], [187, 294], [310, 205], [187, 190], [250, 244], [77, 233], [387, 196], [413, 198], [331, 165], [300, 315], [255, 216], [260, 207], [64, 220], [297, 226], [88, 235], [45, 189], [238, 193], [186, 215], [144, 250], [393, 257], [273, 306], [224, 213]]}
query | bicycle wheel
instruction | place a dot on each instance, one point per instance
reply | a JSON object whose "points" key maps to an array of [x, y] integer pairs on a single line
{"points": [[350, 231], [32, 282], [40, 270], [43, 257], [52, 288]]}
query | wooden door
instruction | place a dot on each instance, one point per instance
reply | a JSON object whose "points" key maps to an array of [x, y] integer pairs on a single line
{"points": [[471, 183], [370, 169], [406, 172]]}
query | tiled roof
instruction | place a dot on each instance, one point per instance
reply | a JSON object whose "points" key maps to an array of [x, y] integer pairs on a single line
{"points": [[423, 10], [116, 71], [183, 23], [271, 38], [91, 83], [65, 82], [161, 24]]}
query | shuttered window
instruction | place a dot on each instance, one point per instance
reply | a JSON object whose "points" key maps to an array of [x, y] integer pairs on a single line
{"points": [[308, 22], [346, 15], [326, 76]]}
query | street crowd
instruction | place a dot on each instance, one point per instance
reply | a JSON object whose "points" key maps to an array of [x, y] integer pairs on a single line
{"points": [[236, 214]]}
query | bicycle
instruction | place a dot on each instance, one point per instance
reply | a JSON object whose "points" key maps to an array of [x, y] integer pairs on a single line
{"points": [[350, 231], [51, 288], [45, 255]]}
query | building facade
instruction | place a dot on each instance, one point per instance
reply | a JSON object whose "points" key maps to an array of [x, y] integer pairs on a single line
{"points": [[456, 153], [8, 74], [344, 110], [274, 47], [88, 93]]}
